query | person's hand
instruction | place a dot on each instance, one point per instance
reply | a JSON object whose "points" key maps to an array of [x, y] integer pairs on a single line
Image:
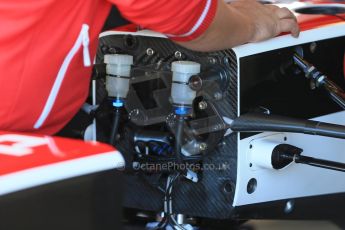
{"points": [[267, 20], [243, 21]]}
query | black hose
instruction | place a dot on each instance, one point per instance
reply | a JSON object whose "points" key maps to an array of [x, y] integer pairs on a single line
{"points": [[257, 122], [115, 127], [179, 138]]}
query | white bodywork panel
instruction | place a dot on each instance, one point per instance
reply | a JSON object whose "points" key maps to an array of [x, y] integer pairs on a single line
{"points": [[295, 180]]}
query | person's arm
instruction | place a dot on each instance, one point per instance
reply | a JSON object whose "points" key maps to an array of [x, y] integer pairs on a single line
{"points": [[244, 21], [207, 25]]}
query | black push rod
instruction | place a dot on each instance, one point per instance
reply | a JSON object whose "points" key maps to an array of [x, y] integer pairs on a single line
{"points": [[316, 162], [320, 163]]}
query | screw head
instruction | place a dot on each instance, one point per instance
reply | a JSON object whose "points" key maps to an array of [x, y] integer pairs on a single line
{"points": [[289, 207], [150, 52], [218, 96], [178, 55], [112, 50], [212, 60], [203, 146], [202, 105], [226, 60], [136, 115], [195, 82]]}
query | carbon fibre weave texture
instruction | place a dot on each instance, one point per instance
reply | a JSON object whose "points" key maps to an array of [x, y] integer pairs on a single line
{"points": [[212, 196]]}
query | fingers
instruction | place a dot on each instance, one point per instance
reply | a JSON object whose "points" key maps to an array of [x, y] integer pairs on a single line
{"points": [[289, 25], [283, 13], [287, 20]]}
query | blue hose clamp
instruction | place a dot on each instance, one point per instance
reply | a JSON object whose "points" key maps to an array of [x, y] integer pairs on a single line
{"points": [[118, 103], [182, 111]]}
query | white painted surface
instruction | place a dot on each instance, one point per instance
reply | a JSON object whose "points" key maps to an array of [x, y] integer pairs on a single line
{"points": [[59, 171], [260, 153], [296, 180]]}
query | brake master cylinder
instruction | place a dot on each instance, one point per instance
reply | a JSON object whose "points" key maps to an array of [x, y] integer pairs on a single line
{"points": [[118, 75], [117, 84], [181, 93]]}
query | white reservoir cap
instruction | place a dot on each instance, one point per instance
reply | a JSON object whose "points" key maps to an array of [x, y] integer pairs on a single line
{"points": [[181, 93], [187, 67], [118, 71], [118, 59], [118, 64]]}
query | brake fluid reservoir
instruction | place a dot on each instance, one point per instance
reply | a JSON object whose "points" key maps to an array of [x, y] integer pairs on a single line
{"points": [[118, 74], [182, 95]]}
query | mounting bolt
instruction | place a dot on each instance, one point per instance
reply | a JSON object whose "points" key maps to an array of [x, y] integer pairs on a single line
{"points": [[289, 206], [178, 55], [195, 82], [150, 52], [202, 105], [112, 50], [218, 96], [212, 60], [226, 60], [203, 146]]}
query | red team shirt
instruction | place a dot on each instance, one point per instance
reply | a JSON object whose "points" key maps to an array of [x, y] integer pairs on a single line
{"points": [[47, 46]]}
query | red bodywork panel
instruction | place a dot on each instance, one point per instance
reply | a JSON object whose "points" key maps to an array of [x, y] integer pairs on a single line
{"points": [[20, 152], [28, 161], [308, 22]]}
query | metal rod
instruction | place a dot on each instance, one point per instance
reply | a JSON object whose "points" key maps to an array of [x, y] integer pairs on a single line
{"points": [[337, 166], [334, 91], [303, 64]]}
